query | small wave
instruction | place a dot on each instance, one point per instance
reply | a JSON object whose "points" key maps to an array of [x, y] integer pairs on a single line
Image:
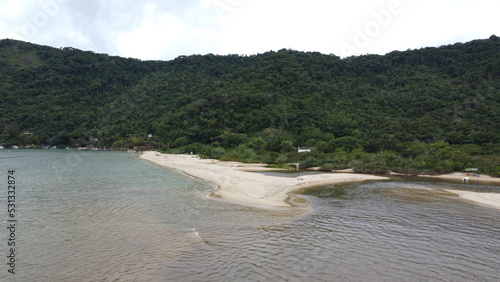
{"points": [[196, 234]]}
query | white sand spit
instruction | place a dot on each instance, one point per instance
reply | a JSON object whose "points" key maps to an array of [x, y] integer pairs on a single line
{"points": [[235, 181], [487, 199], [459, 176]]}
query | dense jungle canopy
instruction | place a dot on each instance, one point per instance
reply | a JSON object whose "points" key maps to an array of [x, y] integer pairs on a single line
{"points": [[425, 110]]}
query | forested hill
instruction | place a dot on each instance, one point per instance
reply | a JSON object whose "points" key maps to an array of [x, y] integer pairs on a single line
{"points": [[269, 102]]}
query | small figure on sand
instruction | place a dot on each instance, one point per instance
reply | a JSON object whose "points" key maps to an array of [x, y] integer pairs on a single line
{"points": [[465, 179]]}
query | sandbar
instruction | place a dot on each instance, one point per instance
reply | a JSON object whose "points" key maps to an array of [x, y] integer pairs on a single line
{"points": [[459, 176], [491, 200], [239, 183]]}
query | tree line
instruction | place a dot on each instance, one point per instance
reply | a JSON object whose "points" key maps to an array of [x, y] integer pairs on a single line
{"points": [[431, 110]]}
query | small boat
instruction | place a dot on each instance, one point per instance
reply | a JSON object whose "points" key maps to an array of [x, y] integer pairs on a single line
{"points": [[1, 147], [15, 147]]}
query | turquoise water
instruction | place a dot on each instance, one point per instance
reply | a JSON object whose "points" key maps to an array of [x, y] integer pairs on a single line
{"points": [[109, 216]]}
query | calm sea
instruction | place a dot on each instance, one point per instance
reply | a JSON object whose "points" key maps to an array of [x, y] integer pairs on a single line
{"points": [[109, 216]]}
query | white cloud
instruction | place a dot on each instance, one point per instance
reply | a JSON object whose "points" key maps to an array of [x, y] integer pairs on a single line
{"points": [[156, 29], [152, 35]]}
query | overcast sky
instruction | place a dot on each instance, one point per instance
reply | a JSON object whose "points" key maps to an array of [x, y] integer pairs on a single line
{"points": [[165, 29]]}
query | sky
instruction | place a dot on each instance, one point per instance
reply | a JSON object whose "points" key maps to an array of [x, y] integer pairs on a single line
{"points": [[166, 29]]}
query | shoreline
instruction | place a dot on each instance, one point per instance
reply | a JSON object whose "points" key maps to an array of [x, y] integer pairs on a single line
{"points": [[459, 176], [491, 200], [238, 182]]}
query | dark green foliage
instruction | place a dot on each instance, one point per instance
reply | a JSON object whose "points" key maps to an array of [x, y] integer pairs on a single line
{"points": [[180, 142], [427, 110], [310, 162]]}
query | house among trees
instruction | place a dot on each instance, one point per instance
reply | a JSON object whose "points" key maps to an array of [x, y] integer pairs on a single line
{"points": [[304, 149], [474, 171]]}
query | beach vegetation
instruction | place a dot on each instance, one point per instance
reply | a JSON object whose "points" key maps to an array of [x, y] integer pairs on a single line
{"points": [[180, 142], [310, 162], [276, 166], [213, 152]]}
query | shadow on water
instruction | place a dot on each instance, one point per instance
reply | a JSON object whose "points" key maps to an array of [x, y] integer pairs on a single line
{"points": [[329, 191]]}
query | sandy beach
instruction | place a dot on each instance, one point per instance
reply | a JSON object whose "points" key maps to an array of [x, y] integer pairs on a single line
{"points": [[458, 176], [491, 200], [238, 182]]}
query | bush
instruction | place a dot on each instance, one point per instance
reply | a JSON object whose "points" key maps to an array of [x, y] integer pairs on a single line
{"points": [[180, 142], [242, 153], [281, 159], [371, 168], [309, 162], [231, 159], [327, 167], [231, 140], [214, 152], [196, 148], [370, 163], [496, 172]]}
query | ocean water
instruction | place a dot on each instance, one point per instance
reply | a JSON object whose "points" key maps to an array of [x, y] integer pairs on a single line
{"points": [[109, 216]]}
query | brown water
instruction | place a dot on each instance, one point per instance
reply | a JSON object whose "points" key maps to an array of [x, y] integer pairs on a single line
{"points": [[105, 216]]}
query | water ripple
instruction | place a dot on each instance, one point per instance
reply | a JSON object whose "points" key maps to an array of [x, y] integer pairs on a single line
{"points": [[120, 219]]}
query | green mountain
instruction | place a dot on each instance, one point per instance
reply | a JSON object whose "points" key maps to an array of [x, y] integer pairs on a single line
{"points": [[265, 104]]}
